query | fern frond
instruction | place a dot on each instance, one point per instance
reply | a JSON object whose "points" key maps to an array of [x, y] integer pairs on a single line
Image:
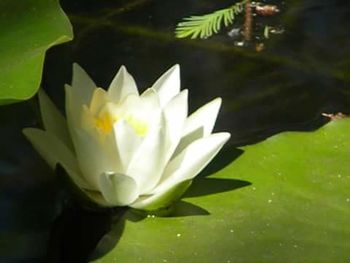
{"points": [[206, 25]]}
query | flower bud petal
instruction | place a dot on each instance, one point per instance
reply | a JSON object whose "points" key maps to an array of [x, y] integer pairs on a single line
{"points": [[118, 189], [168, 85], [122, 85]]}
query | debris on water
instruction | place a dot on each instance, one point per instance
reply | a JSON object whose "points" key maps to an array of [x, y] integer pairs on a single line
{"points": [[239, 43], [266, 10], [276, 30], [235, 33], [334, 116], [259, 47]]}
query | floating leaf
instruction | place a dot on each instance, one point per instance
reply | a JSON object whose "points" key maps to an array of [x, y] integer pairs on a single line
{"points": [[28, 28], [297, 207]]}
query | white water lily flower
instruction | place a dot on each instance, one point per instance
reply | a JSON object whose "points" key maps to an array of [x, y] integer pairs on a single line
{"points": [[126, 149]]}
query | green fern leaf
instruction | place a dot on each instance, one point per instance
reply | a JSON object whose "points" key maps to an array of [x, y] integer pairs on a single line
{"points": [[206, 25]]}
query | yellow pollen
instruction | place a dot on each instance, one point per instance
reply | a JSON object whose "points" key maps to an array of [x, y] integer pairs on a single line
{"points": [[140, 127], [104, 122]]}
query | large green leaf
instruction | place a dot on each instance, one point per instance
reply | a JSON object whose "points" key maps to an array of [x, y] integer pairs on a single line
{"points": [[28, 28], [297, 208]]}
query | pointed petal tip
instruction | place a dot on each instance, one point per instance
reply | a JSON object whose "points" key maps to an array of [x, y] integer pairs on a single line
{"points": [[223, 136], [67, 86], [122, 85], [175, 68], [42, 97], [227, 134], [26, 132], [123, 68], [218, 101], [76, 67], [41, 92]]}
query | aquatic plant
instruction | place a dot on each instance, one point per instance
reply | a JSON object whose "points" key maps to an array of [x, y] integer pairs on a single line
{"points": [[125, 149], [206, 25]]}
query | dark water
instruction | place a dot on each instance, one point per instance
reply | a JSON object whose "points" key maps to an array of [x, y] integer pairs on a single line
{"points": [[303, 72]]}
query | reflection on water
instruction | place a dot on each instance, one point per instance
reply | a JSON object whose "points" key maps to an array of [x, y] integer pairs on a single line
{"points": [[301, 74]]}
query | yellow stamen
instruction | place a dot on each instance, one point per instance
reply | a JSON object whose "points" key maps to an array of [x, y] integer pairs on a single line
{"points": [[105, 121], [140, 127]]}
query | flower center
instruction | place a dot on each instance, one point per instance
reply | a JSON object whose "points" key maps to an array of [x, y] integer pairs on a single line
{"points": [[106, 119], [104, 123]]}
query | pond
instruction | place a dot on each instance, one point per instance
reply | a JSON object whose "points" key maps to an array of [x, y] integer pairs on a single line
{"points": [[300, 74]]}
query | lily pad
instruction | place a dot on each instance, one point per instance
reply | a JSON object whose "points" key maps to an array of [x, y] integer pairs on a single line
{"points": [[297, 208], [28, 28]]}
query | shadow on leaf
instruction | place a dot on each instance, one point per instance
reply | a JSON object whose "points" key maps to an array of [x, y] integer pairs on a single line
{"points": [[178, 209], [82, 232], [207, 186], [111, 239], [77, 231], [183, 208], [223, 159]]}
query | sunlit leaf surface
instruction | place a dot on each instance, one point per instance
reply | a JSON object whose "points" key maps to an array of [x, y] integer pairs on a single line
{"points": [[28, 28], [297, 208]]}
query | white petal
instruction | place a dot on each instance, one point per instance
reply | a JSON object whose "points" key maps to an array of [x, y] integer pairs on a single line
{"points": [[127, 142], [199, 124], [53, 120], [96, 153], [53, 151], [175, 114], [161, 199], [150, 92], [148, 162], [203, 117], [131, 102], [82, 84], [148, 108], [168, 85], [98, 100], [86, 120], [122, 85], [191, 160], [73, 108], [150, 100], [118, 189], [187, 140]]}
